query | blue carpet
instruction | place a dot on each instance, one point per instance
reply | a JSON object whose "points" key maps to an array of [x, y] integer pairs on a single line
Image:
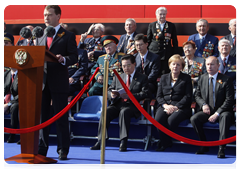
{"points": [[179, 154]]}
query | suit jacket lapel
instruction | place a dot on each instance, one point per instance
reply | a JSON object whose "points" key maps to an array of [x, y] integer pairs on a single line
{"points": [[206, 82], [217, 86], [146, 62], [58, 35], [134, 79]]}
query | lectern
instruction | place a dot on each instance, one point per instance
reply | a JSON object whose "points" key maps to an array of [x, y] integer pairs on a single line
{"points": [[29, 60]]}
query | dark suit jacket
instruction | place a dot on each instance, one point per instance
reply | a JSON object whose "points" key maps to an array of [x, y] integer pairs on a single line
{"points": [[13, 87], [120, 46], [167, 44], [179, 95], [151, 66], [224, 93], [233, 47], [56, 74], [209, 38], [229, 69], [138, 87], [76, 73]]}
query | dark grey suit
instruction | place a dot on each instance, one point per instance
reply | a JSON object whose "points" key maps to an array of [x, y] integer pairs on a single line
{"points": [[152, 67], [56, 88], [125, 110], [233, 47], [224, 99]]}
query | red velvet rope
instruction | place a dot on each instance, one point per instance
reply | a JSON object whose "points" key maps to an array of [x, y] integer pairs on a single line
{"points": [[168, 132], [54, 118]]}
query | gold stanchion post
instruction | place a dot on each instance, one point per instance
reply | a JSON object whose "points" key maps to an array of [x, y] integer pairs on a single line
{"points": [[104, 109]]}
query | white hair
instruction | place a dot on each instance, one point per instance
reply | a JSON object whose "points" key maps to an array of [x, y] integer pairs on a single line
{"points": [[224, 41], [101, 26], [202, 20], [161, 9], [231, 21], [131, 19]]}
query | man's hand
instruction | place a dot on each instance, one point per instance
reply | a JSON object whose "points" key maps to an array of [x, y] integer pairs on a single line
{"points": [[213, 118], [71, 80], [6, 108], [60, 58], [114, 94], [206, 109], [83, 37], [90, 55], [100, 79]]}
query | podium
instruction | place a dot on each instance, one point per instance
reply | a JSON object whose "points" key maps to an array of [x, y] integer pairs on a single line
{"points": [[29, 60]]}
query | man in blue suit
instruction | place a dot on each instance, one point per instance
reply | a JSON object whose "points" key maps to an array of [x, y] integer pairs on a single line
{"points": [[126, 40], [110, 44], [232, 36], [227, 62], [147, 62], [207, 45]]}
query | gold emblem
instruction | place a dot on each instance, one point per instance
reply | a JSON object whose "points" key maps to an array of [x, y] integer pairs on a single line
{"points": [[21, 57]]}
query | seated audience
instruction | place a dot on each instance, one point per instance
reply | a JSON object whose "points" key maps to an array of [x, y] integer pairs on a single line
{"points": [[232, 36], [207, 45], [11, 91], [121, 106], [110, 44], [76, 71], [215, 98], [147, 62], [228, 64], [174, 97], [194, 66]]}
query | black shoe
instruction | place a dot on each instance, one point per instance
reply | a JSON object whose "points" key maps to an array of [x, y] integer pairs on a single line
{"points": [[162, 148], [97, 146], [123, 145], [202, 150], [221, 153], [62, 155], [11, 139]]}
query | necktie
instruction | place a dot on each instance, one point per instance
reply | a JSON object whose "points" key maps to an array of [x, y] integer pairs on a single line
{"points": [[210, 92], [234, 42], [224, 62], [128, 84], [201, 40], [142, 64], [49, 42], [8, 95], [126, 43]]}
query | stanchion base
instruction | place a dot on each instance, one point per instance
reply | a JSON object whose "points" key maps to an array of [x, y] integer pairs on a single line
{"points": [[31, 159], [102, 166]]}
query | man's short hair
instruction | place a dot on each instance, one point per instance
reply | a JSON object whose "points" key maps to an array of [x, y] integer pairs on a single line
{"points": [[160, 9], [231, 21], [129, 57], [223, 41], [202, 20], [56, 8], [132, 20], [141, 37], [101, 26]]}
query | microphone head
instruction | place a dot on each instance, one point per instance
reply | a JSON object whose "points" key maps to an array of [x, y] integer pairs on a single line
{"points": [[49, 31], [25, 32], [37, 32]]}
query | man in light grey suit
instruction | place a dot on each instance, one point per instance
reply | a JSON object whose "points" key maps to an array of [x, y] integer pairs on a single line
{"points": [[121, 106], [232, 36]]}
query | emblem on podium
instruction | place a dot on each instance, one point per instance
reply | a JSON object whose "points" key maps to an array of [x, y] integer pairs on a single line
{"points": [[21, 57]]}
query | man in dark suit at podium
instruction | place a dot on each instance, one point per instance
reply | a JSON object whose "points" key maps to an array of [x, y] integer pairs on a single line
{"points": [[56, 81]]}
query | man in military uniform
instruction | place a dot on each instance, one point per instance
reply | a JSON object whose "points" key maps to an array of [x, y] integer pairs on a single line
{"points": [[110, 44], [162, 39]]}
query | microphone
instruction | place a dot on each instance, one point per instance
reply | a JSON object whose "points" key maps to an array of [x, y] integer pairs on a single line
{"points": [[25, 33], [49, 31], [37, 32]]}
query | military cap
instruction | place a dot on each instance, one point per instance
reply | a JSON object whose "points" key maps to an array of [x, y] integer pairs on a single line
{"points": [[8, 37], [108, 39]]}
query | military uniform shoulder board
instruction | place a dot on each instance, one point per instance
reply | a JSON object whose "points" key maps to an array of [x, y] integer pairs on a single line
{"points": [[120, 53]]}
